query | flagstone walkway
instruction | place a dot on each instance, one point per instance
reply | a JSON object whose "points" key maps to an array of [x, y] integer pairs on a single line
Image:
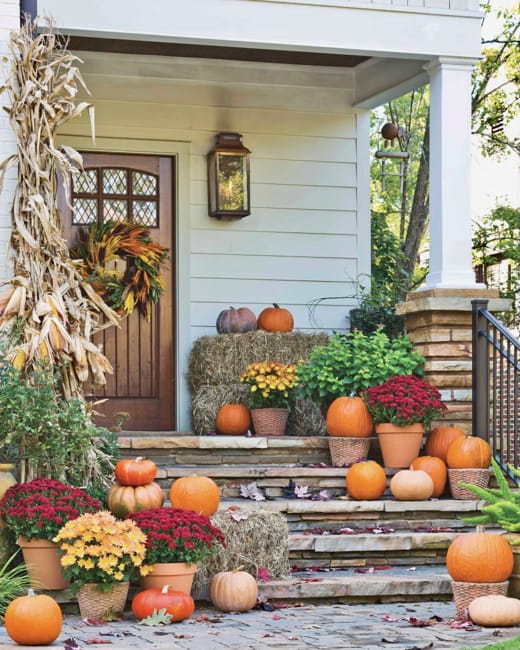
{"points": [[331, 627]]}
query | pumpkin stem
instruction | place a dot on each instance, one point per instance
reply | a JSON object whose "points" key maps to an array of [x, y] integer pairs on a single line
{"points": [[276, 305], [31, 592], [480, 529], [240, 568], [165, 589], [352, 394]]}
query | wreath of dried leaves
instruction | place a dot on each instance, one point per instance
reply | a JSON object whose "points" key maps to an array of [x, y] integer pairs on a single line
{"points": [[136, 283]]}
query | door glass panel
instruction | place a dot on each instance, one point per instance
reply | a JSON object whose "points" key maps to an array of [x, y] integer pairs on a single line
{"points": [[85, 211], [114, 210], [114, 181], [85, 182], [145, 213], [144, 184]]}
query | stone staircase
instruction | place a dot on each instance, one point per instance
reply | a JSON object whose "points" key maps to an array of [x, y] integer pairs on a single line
{"points": [[340, 549]]}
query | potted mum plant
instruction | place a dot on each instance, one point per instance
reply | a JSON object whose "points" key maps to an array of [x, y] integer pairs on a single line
{"points": [[176, 539], [401, 408], [100, 556], [34, 512], [271, 387]]}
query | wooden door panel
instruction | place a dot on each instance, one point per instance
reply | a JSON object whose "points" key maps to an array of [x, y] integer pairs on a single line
{"points": [[141, 351]]}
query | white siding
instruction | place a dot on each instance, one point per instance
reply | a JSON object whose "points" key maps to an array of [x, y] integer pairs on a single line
{"points": [[9, 20], [301, 241]]}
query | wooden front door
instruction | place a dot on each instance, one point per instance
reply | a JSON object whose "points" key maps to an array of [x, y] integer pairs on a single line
{"points": [[135, 188]]}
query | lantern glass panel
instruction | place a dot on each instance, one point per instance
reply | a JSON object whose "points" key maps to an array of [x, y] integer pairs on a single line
{"points": [[232, 181]]}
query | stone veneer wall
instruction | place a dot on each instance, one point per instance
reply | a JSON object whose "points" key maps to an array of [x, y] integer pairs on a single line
{"points": [[439, 322]]}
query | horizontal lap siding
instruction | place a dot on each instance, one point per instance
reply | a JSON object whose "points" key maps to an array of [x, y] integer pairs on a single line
{"points": [[300, 244]]}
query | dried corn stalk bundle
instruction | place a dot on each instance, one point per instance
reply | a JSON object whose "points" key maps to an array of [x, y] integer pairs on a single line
{"points": [[47, 303]]}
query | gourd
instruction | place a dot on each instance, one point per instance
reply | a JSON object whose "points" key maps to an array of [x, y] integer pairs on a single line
{"points": [[440, 439], [236, 321], [135, 471], [275, 319], [233, 591], [411, 485], [197, 493], [123, 499], [366, 480], [233, 419], [33, 619], [495, 611], [349, 417], [467, 452], [436, 469], [479, 557], [178, 604]]}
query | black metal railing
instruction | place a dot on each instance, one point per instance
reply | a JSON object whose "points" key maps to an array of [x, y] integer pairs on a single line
{"points": [[496, 386]]}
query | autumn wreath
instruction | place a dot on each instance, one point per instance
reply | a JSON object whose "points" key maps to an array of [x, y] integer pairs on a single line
{"points": [[138, 281]]}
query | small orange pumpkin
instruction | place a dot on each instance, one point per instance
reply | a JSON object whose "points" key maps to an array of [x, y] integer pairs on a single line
{"points": [[275, 319], [440, 439], [467, 452], [178, 604], [436, 469], [124, 499], [479, 557], [349, 417], [135, 471], [233, 591], [366, 480], [33, 620], [233, 419], [197, 493], [411, 485]]}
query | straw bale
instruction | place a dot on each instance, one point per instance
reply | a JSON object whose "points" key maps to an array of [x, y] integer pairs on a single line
{"points": [[260, 540], [220, 359]]}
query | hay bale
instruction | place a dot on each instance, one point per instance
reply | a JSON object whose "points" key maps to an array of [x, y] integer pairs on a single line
{"points": [[260, 540], [305, 419], [220, 359]]}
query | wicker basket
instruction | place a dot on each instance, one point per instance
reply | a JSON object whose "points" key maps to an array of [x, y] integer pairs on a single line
{"points": [[102, 605], [270, 421], [465, 592], [345, 451], [476, 476]]}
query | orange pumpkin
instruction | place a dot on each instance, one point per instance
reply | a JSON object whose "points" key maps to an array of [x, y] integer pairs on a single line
{"points": [[33, 620], [366, 480], [123, 499], [411, 485], [467, 452], [233, 591], [479, 557], [233, 419], [135, 471], [440, 439], [197, 493], [349, 416], [275, 319], [436, 469], [178, 604]]}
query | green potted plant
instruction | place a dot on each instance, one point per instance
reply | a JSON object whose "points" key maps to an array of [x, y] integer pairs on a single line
{"points": [[401, 408], [352, 362]]}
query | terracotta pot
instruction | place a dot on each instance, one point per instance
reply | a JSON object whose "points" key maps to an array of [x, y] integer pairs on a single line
{"points": [[178, 575], [269, 421], [100, 604], [42, 561], [399, 445]]}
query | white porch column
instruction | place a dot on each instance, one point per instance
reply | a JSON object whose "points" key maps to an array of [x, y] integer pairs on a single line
{"points": [[450, 154]]}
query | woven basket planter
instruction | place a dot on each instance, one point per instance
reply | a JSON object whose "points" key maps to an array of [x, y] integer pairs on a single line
{"points": [[476, 476], [269, 421], [465, 592], [346, 451]]}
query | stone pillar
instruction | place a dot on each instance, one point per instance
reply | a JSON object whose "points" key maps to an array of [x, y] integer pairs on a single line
{"points": [[439, 324]]}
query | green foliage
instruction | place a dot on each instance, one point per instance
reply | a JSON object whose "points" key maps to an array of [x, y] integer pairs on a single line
{"points": [[14, 582], [352, 362], [503, 503], [46, 436], [157, 617]]}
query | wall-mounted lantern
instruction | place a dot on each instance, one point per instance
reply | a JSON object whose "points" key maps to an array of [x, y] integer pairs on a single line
{"points": [[228, 178]]}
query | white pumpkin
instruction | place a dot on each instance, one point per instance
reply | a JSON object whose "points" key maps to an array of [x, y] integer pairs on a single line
{"points": [[495, 611], [411, 485]]}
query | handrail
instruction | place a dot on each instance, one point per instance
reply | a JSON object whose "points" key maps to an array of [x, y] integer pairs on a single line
{"points": [[496, 386]]}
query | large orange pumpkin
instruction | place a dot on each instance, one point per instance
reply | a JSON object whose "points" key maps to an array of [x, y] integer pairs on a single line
{"points": [[440, 439], [366, 480], [233, 419], [436, 468], [178, 604], [197, 493], [275, 319], [349, 416], [468, 452], [135, 471], [479, 557], [123, 499], [33, 620]]}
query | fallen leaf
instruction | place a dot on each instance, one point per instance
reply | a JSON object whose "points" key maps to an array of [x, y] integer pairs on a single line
{"points": [[418, 622], [302, 491], [464, 625], [93, 621], [262, 574], [277, 618], [184, 635], [239, 516], [96, 640], [252, 491], [70, 644]]}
